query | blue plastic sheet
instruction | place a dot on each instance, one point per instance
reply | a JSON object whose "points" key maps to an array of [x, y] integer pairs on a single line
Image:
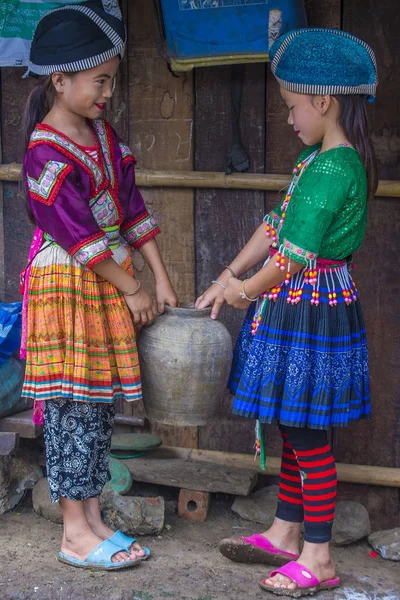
{"points": [[212, 28], [10, 329]]}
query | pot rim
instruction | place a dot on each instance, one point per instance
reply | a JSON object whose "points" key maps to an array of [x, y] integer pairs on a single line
{"points": [[187, 310]]}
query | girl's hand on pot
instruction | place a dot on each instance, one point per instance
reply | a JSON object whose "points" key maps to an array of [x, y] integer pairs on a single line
{"points": [[213, 296], [141, 307], [232, 294], [165, 294]]}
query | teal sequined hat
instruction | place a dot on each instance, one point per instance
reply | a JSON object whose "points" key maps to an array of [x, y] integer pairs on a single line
{"points": [[324, 61]]}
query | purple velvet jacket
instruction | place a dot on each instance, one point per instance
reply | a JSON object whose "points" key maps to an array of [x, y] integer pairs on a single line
{"points": [[81, 204]]}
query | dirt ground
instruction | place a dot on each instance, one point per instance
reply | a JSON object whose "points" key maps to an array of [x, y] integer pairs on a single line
{"points": [[185, 564]]}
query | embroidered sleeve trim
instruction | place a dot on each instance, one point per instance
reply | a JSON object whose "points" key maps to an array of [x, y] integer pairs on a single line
{"points": [[96, 259], [129, 159], [297, 253], [140, 230], [46, 188], [92, 250], [126, 154]]}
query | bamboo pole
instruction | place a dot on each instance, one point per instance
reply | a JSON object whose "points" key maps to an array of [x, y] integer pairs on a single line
{"points": [[362, 474], [209, 179], [10, 172]]}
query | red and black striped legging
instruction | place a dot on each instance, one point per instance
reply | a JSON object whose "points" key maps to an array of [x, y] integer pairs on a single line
{"points": [[307, 488]]}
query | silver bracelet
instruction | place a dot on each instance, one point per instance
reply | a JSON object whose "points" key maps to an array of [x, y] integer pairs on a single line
{"points": [[220, 284], [135, 292], [243, 294]]}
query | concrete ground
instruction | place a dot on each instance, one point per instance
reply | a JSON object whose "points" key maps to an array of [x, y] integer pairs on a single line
{"points": [[185, 565]]}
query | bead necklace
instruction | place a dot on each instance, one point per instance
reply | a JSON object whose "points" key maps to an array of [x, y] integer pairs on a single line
{"points": [[298, 170], [310, 274], [272, 231]]}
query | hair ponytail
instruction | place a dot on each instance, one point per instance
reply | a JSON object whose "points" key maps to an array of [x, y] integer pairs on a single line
{"points": [[353, 118], [39, 103]]}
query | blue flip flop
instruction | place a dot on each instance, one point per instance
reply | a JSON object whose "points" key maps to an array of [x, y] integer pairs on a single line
{"points": [[125, 542], [99, 558]]}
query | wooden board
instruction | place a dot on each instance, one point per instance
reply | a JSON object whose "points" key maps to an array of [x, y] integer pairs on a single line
{"points": [[226, 219], [160, 135], [324, 14], [192, 475], [22, 424], [17, 228], [366, 475], [377, 441], [118, 107], [118, 115]]}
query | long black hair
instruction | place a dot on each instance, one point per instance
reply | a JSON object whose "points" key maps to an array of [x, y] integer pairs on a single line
{"points": [[39, 103], [353, 118]]}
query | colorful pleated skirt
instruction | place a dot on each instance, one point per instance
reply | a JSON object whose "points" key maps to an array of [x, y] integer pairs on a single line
{"points": [[304, 361], [81, 342]]}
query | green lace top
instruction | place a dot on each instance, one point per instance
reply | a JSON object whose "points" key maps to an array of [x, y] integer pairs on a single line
{"points": [[327, 213]]}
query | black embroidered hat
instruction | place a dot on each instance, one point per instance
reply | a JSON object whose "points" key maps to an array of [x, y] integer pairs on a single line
{"points": [[75, 37]]}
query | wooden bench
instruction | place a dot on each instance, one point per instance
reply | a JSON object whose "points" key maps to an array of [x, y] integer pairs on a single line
{"points": [[22, 424]]}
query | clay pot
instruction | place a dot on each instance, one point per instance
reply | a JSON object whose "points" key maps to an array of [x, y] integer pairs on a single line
{"points": [[185, 359]]}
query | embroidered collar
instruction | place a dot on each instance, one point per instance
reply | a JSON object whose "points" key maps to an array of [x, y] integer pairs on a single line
{"points": [[46, 134], [103, 173], [103, 134]]}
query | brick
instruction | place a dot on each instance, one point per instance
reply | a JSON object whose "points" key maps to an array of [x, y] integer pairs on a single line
{"points": [[193, 504]]}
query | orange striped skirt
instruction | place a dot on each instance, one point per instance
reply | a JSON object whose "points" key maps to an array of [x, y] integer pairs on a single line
{"points": [[80, 335]]}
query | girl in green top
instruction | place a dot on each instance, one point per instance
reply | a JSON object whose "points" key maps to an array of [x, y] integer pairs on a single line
{"points": [[301, 356]]}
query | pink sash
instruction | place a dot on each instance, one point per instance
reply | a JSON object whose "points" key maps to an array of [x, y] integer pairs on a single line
{"points": [[321, 263], [37, 241]]}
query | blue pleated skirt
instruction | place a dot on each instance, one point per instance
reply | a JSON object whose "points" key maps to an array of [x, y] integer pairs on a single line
{"points": [[306, 365]]}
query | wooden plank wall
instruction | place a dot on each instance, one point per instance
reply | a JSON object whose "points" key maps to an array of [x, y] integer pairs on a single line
{"points": [[184, 123], [224, 218], [17, 228], [377, 441], [161, 136]]}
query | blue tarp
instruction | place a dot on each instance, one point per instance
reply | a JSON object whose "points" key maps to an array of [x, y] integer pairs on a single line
{"points": [[10, 329]]}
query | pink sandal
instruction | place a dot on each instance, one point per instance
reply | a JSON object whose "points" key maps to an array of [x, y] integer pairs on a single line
{"points": [[307, 583], [255, 549]]}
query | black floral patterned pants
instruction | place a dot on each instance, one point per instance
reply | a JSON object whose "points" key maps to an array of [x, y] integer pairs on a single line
{"points": [[78, 440]]}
